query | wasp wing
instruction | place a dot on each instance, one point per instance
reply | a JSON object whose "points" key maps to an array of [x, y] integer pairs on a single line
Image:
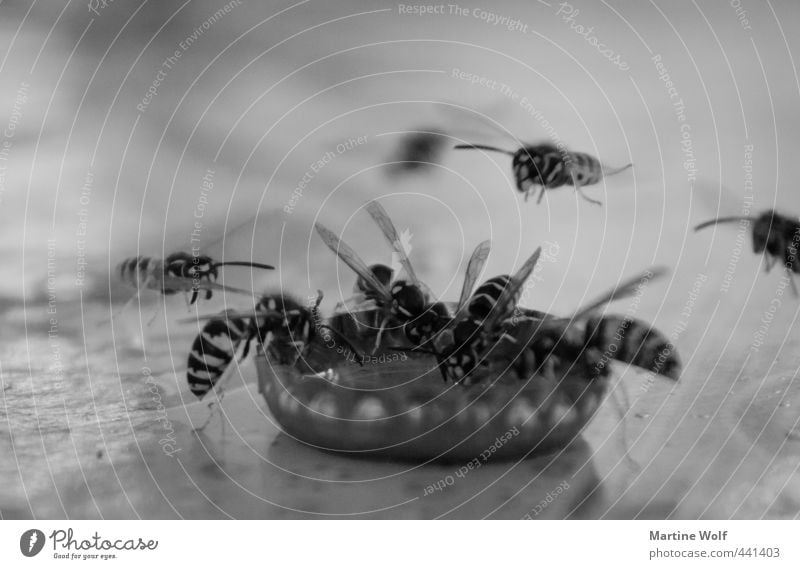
{"points": [[474, 269], [352, 260], [464, 122], [389, 231], [356, 303], [510, 291], [623, 290], [226, 315]]}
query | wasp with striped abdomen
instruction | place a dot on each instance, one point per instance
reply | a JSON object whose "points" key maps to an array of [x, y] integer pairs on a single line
{"points": [[541, 345], [776, 236], [548, 167], [436, 316], [179, 272], [281, 325], [545, 165], [460, 347]]}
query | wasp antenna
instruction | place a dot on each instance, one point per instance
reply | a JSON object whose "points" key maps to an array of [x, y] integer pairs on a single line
{"points": [[244, 264], [482, 147], [722, 220]]}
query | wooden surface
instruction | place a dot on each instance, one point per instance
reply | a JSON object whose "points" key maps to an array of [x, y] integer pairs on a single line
{"points": [[714, 449]]}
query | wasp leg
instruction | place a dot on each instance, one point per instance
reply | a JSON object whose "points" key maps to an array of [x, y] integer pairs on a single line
{"points": [[541, 195], [155, 314], [215, 407], [378, 338], [580, 191], [127, 304], [219, 389]]}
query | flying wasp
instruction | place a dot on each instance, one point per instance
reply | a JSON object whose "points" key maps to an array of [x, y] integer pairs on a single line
{"points": [[546, 166], [398, 300], [775, 235], [179, 272], [543, 165]]}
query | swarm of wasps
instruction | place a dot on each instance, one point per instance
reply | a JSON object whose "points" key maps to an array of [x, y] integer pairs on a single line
{"points": [[483, 335]]}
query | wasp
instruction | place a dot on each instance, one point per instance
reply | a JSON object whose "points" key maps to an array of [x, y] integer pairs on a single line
{"points": [[538, 342], [436, 316], [179, 272], [418, 151], [398, 300], [775, 235], [586, 340], [548, 167], [281, 325], [460, 347]]}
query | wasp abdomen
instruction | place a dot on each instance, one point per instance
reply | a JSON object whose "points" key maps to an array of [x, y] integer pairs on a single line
{"points": [[212, 352], [486, 296], [632, 341]]}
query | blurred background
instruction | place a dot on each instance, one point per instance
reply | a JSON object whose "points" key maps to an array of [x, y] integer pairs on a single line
{"points": [[127, 124]]}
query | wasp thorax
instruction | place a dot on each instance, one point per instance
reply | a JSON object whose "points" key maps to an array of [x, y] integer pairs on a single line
{"points": [[408, 299], [767, 233]]}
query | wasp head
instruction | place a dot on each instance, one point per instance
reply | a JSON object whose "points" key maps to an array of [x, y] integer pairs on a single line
{"points": [[383, 273], [427, 325]]}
